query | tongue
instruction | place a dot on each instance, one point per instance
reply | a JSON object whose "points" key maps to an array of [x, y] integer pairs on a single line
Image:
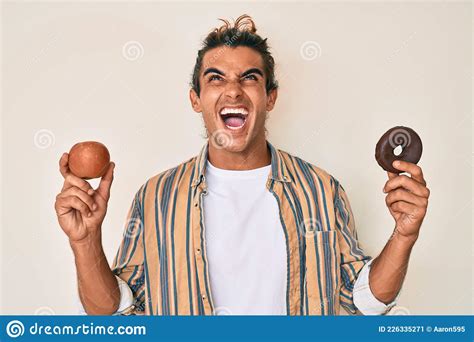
{"points": [[234, 121]]}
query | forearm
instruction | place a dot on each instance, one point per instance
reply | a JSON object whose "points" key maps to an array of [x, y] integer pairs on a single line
{"points": [[388, 270], [98, 287]]}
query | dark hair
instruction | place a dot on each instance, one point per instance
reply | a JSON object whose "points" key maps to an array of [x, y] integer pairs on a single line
{"points": [[242, 33]]}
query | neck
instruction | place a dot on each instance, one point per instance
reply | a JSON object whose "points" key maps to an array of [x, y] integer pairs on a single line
{"points": [[256, 156]]}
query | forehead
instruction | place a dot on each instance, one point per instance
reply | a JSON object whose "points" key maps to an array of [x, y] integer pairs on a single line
{"points": [[232, 59]]}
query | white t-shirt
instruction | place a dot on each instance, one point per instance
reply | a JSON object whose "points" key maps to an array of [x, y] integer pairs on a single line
{"points": [[245, 243]]}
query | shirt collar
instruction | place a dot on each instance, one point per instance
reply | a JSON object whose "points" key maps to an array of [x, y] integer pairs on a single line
{"points": [[279, 170]]}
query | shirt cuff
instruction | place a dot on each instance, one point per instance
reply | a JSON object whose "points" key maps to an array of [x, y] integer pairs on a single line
{"points": [[126, 299], [364, 299]]}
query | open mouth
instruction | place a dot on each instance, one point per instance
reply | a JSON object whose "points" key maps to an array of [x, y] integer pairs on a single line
{"points": [[234, 118]]}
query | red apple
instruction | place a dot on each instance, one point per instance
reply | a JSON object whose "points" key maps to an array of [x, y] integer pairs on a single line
{"points": [[89, 159]]}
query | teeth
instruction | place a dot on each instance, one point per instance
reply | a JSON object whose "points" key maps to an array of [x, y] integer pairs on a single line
{"points": [[227, 110], [239, 110], [234, 128]]}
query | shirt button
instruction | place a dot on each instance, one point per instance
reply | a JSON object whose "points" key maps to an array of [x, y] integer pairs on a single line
{"points": [[195, 204], [198, 251], [204, 297]]}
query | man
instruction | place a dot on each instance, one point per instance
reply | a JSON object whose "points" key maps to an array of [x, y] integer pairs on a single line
{"points": [[243, 228]]}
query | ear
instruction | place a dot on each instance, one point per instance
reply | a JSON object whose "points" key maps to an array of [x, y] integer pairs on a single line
{"points": [[195, 101], [271, 99]]}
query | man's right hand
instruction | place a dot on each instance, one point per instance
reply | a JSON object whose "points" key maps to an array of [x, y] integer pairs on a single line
{"points": [[81, 209]]}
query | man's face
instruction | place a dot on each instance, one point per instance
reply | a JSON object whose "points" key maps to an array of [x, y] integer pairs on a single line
{"points": [[233, 98]]}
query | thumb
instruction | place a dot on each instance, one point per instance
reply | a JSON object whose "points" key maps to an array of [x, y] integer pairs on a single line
{"points": [[106, 182]]}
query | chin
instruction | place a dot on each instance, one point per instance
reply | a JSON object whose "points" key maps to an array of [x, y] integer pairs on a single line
{"points": [[222, 140]]}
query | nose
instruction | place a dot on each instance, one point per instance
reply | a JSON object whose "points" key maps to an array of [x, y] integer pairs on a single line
{"points": [[233, 90]]}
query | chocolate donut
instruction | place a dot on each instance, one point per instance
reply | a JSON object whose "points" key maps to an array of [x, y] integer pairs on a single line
{"points": [[402, 136]]}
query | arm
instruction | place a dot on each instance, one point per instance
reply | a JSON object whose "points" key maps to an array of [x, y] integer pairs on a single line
{"points": [[81, 210], [407, 200], [126, 300], [364, 299], [127, 267], [98, 288]]}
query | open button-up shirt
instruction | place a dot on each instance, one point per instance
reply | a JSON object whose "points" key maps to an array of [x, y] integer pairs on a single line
{"points": [[162, 256]]}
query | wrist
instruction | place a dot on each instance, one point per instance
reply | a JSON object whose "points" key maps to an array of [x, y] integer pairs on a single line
{"points": [[92, 242], [407, 240]]}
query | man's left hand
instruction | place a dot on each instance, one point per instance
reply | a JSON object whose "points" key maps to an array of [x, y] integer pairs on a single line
{"points": [[407, 198]]}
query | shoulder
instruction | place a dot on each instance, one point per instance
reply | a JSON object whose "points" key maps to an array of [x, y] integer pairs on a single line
{"points": [[301, 170], [179, 176], [297, 166]]}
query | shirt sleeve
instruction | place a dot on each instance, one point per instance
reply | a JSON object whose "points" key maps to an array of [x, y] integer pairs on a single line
{"points": [[126, 299], [128, 263], [353, 258], [365, 300]]}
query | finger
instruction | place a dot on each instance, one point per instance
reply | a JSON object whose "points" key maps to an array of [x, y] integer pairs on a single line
{"points": [[63, 164], [106, 182], [391, 175], [72, 180], [413, 169], [403, 195], [403, 207], [75, 191], [407, 183], [65, 204]]}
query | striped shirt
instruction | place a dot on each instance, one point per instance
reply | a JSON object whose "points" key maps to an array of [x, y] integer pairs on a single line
{"points": [[162, 256]]}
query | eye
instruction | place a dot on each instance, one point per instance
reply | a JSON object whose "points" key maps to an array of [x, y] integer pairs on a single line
{"points": [[250, 77], [215, 78]]}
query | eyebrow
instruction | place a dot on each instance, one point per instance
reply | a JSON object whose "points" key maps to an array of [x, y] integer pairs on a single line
{"points": [[245, 73]]}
